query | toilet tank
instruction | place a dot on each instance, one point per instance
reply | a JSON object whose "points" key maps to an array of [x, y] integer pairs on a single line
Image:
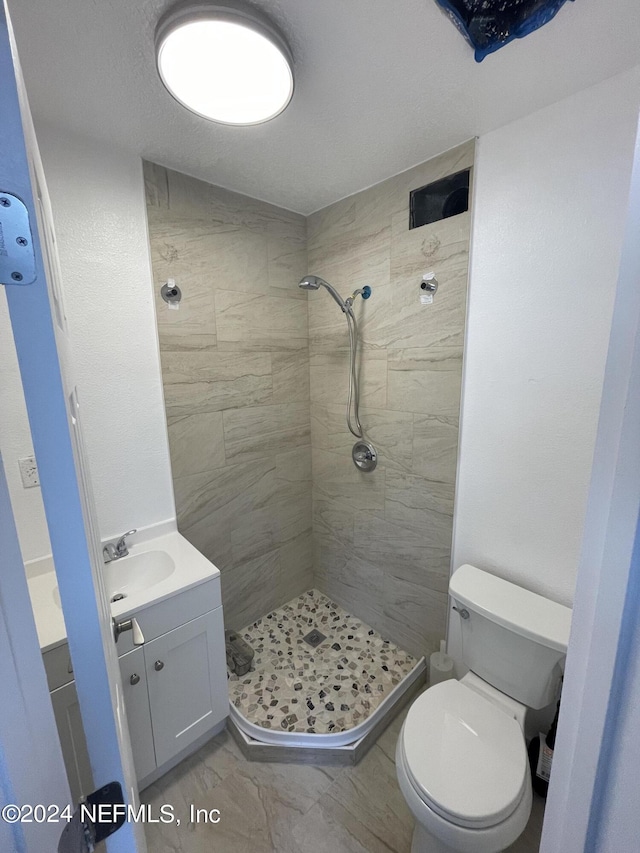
{"points": [[512, 638]]}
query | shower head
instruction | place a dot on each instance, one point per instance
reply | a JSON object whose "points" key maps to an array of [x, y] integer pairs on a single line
{"points": [[314, 282]]}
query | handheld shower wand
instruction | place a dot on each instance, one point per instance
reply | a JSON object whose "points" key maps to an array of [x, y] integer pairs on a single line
{"points": [[365, 458]]}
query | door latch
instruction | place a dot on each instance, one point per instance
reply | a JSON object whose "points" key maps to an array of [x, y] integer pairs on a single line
{"points": [[96, 818]]}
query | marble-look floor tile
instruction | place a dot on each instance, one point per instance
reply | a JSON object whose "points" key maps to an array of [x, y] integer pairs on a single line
{"points": [[259, 805], [363, 811]]}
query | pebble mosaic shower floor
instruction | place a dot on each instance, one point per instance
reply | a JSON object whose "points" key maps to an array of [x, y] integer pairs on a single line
{"points": [[294, 687]]}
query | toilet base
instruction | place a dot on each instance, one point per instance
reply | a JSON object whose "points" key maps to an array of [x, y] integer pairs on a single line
{"points": [[424, 842]]}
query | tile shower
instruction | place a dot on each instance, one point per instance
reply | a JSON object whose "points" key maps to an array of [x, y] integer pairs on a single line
{"points": [[255, 382]]}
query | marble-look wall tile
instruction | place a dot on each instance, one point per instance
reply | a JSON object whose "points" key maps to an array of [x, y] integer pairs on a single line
{"points": [[336, 478], [256, 432], [329, 374], [256, 322], [206, 381], [290, 370], [435, 447], [237, 402], [382, 547], [196, 442], [426, 379]]}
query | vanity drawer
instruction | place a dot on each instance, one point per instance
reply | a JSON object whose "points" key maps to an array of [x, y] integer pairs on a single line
{"points": [[57, 665], [158, 619]]}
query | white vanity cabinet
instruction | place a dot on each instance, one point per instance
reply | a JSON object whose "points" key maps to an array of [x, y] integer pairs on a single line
{"points": [[136, 700], [66, 709], [186, 695], [175, 684], [175, 690]]}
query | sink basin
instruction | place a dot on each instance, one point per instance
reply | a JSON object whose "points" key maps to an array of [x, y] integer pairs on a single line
{"points": [[137, 572]]}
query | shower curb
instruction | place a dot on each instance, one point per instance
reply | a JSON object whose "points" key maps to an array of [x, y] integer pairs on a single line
{"points": [[287, 750]]}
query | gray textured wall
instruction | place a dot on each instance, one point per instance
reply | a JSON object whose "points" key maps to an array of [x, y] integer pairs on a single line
{"points": [[235, 368], [382, 541]]}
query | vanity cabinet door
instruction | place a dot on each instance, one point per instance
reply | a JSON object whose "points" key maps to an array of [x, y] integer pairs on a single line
{"points": [[136, 699], [66, 710], [186, 690]]}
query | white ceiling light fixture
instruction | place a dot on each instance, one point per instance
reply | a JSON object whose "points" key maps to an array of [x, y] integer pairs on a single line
{"points": [[227, 64]]}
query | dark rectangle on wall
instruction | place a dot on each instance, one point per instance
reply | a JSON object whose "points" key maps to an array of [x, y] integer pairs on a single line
{"points": [[444, 198]]}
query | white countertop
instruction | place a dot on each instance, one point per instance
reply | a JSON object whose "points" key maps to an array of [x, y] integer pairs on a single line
{"points": [[191, 569]]}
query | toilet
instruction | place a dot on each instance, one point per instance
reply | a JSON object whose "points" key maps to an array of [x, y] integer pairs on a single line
{"points": [[461, 757]]}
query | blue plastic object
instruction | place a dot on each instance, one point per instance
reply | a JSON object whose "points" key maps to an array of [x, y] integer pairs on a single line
{"points": [[366, 291], [490, 24]]}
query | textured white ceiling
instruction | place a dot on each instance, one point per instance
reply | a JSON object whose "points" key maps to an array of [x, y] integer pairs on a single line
{"points": [[380, 86]]}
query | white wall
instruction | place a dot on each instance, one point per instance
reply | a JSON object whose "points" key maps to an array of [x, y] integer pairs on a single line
{"points": [[98, 203], [15, 443], [97, 194], [550, 201], [593, 803]]}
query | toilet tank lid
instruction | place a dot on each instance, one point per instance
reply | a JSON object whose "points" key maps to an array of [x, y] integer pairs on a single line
{"points": [[523, 612]]}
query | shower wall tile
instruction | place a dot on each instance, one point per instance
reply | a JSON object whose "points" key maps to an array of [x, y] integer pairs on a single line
{"points": [[290, 370], [329, 374], [205, 382], [196, 442], [237, 402], [262, 431], [382, 547], [426, 379], [294, 466], [435, 447], [248, 322], [256, 377], [336, 478]]}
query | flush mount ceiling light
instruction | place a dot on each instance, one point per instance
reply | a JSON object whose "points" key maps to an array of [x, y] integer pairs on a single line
{"points": [[226, 64]]}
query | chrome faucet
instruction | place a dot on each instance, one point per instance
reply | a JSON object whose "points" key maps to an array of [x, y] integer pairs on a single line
{"points": [[115, 550]]}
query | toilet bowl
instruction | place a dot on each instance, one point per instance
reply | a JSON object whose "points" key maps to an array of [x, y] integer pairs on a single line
{"points": [[462, 767], [461, 757]]}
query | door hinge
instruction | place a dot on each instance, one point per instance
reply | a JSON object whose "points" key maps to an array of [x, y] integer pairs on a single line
{"points": [[96, 818], [17, 258]]}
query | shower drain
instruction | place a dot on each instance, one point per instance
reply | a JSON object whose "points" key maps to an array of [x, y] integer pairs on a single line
{"points": [[314, 638]]}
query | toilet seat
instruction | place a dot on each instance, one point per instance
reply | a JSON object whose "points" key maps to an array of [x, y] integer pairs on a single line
{"points": [[464, 756]]}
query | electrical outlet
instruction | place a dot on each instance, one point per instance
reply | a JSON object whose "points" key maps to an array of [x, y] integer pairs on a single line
{"points": [[29, 472]]}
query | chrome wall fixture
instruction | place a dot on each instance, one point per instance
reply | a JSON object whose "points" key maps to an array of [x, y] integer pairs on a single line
{"points": [[363, 454], [171, 293]]}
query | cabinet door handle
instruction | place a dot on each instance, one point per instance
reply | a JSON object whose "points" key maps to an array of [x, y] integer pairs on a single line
{"points": [[135, 678], [158, 665]]}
